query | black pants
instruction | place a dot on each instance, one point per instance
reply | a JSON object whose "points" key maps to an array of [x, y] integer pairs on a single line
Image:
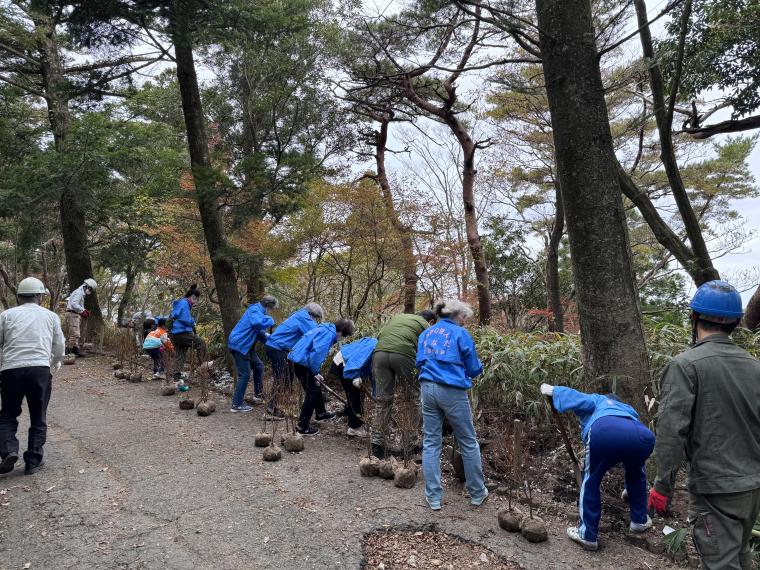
{"points": [[312, 400], [182, 343], [35, 384], [353, 397], [158, 359]]}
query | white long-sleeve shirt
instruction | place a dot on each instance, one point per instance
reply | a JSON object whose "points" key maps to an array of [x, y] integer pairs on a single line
{"points": [[30, 335], [76, 300]]}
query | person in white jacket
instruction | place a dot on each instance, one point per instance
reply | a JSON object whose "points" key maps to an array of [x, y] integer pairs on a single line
{"points": [[75, 312], [31, 348]]}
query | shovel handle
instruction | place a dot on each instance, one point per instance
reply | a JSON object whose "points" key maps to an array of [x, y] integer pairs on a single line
{"points": [[566, 440]]}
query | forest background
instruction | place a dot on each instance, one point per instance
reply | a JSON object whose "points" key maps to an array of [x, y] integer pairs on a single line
{"points": [[377, 157]]}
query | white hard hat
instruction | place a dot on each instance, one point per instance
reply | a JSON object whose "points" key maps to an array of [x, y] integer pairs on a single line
{"points": [[31, 286], [91, 283]]}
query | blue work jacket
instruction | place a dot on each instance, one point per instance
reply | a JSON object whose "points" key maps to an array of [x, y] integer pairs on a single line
{"points": [[291, 330], [182, 320], [250, 328], [446, 354], [357, 358], [313, 347], [589, 407]]}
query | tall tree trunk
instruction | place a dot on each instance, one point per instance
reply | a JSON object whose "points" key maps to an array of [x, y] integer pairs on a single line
{"points": [[126, 297], [752, 316], [409, 293], [254, 284], [704, 270], [71, 209], [610, 317], [204, 174], [471, 220], [553, 293]]}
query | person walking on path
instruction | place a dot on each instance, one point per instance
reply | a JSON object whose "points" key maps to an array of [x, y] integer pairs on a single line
{"points": [[352, 365], [156, 343], [612, 434], [250, 329], [393, 367], [183, 335], [75, 312], [32, 345], [448, 362], [710, 411], [307, 357], [280, 343]]}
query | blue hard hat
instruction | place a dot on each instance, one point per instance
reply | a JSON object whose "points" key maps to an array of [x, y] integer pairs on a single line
{"points": [[717, 299]]}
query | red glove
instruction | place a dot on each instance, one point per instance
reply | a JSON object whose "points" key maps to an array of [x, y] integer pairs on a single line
{"points": [[85, 314], [658, 502]]}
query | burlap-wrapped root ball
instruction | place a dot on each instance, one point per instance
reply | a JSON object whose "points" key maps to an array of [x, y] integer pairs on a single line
{"points": [[509, 520], [205, 408], [262, 439], [272, 453], [534, 529], [293, 443], [69, 359], [135, 377], [186, 404], [168, 390], [386, 469], [120, 374], [369, 467], [405, 477]]}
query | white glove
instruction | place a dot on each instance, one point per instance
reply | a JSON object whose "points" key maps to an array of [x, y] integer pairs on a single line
{"points": [[57, 366], [357, 382], [319, 379], [547, 389]]}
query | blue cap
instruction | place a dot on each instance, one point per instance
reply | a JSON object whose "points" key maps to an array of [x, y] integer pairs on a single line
{"points": [[718, 299]]}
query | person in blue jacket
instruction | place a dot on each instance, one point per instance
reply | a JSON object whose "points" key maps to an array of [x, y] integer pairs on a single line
{"points": [[307, 357], [183, 335], [612, 434], [280, 343], [250, 329], [352, 364], [447, 361]]}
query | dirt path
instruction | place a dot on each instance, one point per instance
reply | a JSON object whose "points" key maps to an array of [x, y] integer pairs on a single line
{"points": [[133, 482]]}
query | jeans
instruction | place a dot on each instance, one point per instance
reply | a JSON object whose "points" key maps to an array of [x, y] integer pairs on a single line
{"points": [[158, 359], [182, 343], [612, 440], [35, 384], [246, 364], [440, 401], [313, 400], [391, 372]]}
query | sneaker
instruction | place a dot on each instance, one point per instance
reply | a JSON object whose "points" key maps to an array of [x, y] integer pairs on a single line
{"points": [[640, 527], [241, 409], [32, 469], [325, 416], [479, 500], [434, 505], [7, 464], [624, 495], [378, 451], [257, 400], [358, 432], [574, 535], [274, 415], [309, 431]]}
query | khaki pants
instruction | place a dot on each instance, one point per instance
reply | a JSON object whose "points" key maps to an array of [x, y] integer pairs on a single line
{"points": [[721, 527], [73, 323], [389, 371]]}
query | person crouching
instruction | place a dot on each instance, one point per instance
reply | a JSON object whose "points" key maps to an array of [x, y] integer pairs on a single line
{"points": [[612, 434]]}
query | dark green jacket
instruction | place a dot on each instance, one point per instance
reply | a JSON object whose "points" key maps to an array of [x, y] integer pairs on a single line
{"points": [[710, 411], [400, 334]]}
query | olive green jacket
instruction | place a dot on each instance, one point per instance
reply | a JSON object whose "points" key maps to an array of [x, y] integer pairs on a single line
{"points": [[710, 411], [400, 334]]}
